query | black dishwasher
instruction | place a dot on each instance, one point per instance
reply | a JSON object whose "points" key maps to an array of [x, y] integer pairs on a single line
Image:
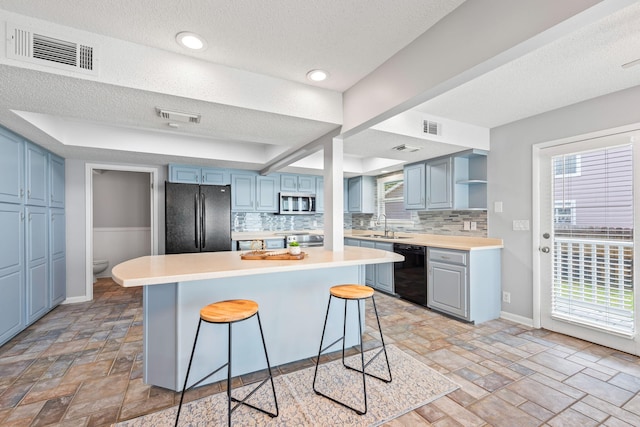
{"points": [[410, 275]]}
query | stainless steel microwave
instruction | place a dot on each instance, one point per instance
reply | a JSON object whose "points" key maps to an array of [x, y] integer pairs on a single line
{"points": [[297, 203]]}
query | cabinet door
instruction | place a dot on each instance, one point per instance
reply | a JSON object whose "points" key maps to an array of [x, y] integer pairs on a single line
{"points": [[37, 173], [267, 193], [289, 183], [12, 285], [355, 194], [439, 184], [361, 194], [212, 176], [57, 261], [56, 181], [184, 174], [414, 186], [11, 168], [306, 184], [37, 279], [319, 194], [447, 289], [345, 190], [369, 269], [351, 242], [384, 272], [243, 192]]}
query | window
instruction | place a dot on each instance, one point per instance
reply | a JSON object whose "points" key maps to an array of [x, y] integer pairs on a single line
{"points": [[391, 198], [570, 165]]}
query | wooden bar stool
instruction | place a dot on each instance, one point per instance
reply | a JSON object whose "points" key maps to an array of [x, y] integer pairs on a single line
{"points": [[355, 293], [230, 312]]}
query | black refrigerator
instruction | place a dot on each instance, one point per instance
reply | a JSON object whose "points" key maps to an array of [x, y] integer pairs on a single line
{"points": [[197, 218]]}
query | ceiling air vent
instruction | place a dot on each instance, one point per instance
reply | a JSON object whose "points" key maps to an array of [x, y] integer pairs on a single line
{"points": [[431, 127], [178, 116], [26, 45], [407, 148]]}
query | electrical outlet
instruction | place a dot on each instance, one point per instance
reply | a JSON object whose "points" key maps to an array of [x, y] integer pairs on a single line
{"points": [[506, 297], [474, 225], [466, 225], [520, 225]]}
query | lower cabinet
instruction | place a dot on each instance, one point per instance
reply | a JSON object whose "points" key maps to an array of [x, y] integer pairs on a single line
{"points": [[37, 262], [378, 276], [464, 284], [12, 318], [57, 258]]}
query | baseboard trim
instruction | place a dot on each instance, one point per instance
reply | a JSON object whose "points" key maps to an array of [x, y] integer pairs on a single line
{"points": [[75, 300], [515, 318]]}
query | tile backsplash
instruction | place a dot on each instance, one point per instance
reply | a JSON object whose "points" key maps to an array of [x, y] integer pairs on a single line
{"points": [[430, 222]]}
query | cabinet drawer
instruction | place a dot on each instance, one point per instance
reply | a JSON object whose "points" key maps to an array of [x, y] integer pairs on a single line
{"points": [[448, 256]]}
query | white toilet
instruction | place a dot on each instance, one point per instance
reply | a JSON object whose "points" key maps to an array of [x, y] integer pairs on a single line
{"points": [[99, 265]]}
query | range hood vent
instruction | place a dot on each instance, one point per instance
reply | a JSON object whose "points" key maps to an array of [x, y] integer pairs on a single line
{"points": [[407, 148], [432, 128], [26, 45], [178, 116]]}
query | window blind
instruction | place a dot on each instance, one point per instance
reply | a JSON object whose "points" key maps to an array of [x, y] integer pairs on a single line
{"points": [[593, 239]]}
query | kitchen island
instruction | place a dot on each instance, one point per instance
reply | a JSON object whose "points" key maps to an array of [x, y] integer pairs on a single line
{"points": [[292, 295]]}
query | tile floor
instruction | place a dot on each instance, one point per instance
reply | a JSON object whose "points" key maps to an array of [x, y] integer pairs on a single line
{"points": [[81, 366]]}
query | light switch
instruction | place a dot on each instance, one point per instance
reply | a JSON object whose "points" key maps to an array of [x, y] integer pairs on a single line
{"points": [[497, 207], [466, 225], [520, 225], [474, 225]]}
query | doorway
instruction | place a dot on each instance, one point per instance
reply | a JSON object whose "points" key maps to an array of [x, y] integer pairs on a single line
{"points": [[587, 204], [108, 234]]}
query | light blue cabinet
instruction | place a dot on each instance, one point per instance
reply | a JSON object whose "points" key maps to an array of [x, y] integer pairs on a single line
{"points": [[12, 285], [297, 183], [243, 192], [56, 181], [186, 174], [57, 258], [319, 194], [37, 171], [267, 189], [345, 191], [369, 269], [439, 184], [361, 194], [37, 278], [384, 272], [414, 186], [11, 167]]}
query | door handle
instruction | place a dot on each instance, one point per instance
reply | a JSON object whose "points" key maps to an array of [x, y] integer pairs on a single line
{"points": [[545, 249], [203, 215], [197, 219]]}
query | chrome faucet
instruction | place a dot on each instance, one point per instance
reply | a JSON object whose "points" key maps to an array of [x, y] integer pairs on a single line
{"points": [[386, 231]]}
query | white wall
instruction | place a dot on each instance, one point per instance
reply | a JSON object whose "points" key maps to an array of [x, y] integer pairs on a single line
{"points": [[510, 179], [118, 244]]}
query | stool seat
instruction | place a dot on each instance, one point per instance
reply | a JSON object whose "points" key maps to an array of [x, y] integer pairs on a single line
{"points": [[351, 291], [229, 311]]}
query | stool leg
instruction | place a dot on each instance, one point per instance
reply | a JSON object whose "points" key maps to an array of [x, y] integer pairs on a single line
{"points": [[184, 388], [266, 356], [324, 328], [364, 376], [229, 379], [384, 347]]}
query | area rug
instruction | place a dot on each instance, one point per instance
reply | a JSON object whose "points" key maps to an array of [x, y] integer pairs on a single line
{"points": [[414, 384]]}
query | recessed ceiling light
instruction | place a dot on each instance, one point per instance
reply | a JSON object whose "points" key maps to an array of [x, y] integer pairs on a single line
{"points": [[191, 40], [317, 75]]}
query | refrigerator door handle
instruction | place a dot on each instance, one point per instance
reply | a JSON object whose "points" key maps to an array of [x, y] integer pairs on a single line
{"points": [[197, 218], [203, 216]]}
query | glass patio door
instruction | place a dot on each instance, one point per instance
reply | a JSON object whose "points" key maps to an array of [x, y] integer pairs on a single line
{"points": [[587, 242]]}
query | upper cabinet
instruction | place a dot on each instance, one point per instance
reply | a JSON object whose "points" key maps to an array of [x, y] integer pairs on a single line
{"points": [[319, 194], [456, 182], [266, 193], [243, 192], [439, 184], [186, 174], [297, 183], [56, 181], [414, 186], [37, 168], [11, 167], [361, 194]]}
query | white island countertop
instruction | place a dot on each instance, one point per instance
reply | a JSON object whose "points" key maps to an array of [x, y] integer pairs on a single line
{"points": [[159, 269]]}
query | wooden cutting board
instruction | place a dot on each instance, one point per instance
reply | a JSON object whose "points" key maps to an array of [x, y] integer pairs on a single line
{"points": [[265, 255]]}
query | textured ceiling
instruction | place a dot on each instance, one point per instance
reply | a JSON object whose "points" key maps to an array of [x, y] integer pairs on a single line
{"points": [[284, 39]]}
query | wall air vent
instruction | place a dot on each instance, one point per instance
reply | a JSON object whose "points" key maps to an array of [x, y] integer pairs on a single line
{"points": [[431, 127], [407, 148], [24, 44], [178, 116]]}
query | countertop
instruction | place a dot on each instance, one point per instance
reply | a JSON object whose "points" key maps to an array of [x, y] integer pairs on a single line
{"points": [[158, 269], [463, 243]]}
